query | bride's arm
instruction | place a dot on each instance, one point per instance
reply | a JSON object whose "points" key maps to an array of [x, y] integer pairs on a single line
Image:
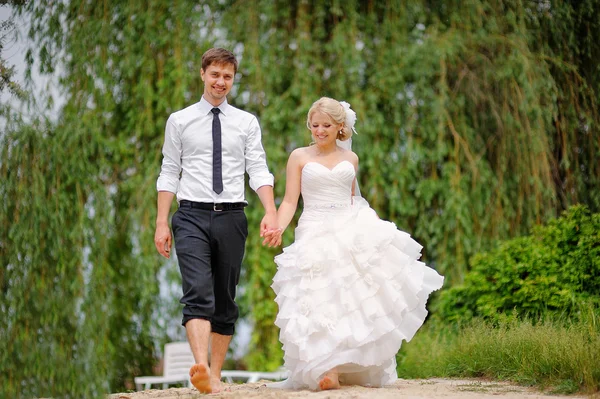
{"points": [[354, 162], [288, 206], [287, 209]]}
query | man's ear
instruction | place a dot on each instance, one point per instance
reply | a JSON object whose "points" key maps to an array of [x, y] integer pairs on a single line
{"points": [[202, 74]]}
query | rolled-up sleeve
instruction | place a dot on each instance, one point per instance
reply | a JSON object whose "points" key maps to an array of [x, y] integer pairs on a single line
{"points": [[256, 160], [168, 180]]}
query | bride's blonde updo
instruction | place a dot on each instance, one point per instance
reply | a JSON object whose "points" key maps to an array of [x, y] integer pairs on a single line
{"points": [[336, 111]]}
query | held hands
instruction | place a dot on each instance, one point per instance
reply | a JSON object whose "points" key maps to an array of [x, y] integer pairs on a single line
{"points": [[272, 238], [162, 240], [270, 231]]}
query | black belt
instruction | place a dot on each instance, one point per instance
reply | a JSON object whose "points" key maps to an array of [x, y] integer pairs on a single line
{"points": [[211, 206]]}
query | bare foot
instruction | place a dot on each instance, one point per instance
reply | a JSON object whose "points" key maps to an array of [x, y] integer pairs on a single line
{"points": [[215, 383], [200, 377], [330, 381]]}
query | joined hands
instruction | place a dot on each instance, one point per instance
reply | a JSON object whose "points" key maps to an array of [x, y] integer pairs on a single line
{"points": [[270, 230], [272, 237]]}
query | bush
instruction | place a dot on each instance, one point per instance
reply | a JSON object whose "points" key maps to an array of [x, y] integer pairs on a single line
{"points": [[551, 272]]}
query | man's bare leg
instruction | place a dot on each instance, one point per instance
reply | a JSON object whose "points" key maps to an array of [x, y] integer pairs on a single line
{"points": [[198, 333], [218, 345]]}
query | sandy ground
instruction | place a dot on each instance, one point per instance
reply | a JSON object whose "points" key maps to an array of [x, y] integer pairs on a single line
{"points": [[430, 388]]}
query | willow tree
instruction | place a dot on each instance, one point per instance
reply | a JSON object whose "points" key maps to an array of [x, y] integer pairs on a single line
{"points": [[80, 293]]}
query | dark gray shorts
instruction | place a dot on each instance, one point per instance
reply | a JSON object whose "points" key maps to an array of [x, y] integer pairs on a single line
{"points": [[210, 247]]}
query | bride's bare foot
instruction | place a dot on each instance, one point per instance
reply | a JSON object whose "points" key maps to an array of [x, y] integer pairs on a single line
{"points": [[330, 381], [200, 378]]}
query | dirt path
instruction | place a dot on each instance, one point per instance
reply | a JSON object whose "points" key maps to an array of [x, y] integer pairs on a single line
{"points": [[430, 388]]}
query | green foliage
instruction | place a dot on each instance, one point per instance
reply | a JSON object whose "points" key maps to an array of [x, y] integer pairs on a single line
{"points": [[7, 71], [555, 270], [53, 298], [557, 355], [80, 292]]}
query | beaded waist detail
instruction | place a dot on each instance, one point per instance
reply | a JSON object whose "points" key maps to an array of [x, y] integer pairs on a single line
{"points": [[327, 205]]}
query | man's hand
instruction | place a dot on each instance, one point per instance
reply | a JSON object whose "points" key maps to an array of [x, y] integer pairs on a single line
{"points": [[268, 223], [273, 237], [269, 229], [162, 239]]}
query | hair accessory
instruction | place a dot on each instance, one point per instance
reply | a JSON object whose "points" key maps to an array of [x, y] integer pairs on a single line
{"points": [[350, 116]]}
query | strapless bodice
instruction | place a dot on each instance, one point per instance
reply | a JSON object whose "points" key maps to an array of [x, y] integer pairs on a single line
{"points": [[322, 187]]}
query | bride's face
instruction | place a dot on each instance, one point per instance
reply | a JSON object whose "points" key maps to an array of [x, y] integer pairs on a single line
{"points": [[324, 130]]}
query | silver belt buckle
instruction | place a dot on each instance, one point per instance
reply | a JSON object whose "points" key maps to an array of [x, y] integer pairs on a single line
{"points": [[216, 209]]}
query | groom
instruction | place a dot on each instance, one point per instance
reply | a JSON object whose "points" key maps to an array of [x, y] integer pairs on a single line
{"points": [[208, 146]]}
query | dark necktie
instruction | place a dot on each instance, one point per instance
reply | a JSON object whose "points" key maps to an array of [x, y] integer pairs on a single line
{"points": [[217, 164]]}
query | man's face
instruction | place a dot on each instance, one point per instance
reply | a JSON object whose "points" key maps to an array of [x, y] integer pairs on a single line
{"points": [[218, 79]]}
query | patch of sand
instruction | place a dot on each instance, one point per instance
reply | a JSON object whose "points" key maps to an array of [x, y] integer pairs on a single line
{"points": [[430, 388]]}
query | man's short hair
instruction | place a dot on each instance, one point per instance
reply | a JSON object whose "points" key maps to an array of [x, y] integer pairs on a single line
{"points": [[219, 56]]}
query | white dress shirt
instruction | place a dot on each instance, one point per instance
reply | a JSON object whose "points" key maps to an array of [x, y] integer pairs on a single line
{"points": [[188, 151]]}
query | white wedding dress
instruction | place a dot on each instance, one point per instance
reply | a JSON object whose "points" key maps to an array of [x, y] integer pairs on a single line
{"points": [[349, 289]]}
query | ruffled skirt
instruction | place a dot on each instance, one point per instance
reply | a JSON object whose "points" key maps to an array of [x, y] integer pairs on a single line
{"points": [[350, 289]]}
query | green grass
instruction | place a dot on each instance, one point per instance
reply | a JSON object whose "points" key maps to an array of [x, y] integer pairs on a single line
{"points": [[557, 356]]}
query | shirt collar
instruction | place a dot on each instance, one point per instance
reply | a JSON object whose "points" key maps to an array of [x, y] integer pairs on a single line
{"points": [[205, 106]]}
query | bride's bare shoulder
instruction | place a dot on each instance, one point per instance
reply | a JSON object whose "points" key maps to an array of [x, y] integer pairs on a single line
{"points": [[300, 155], [351, 156]]}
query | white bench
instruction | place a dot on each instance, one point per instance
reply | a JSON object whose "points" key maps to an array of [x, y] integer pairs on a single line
{"points": [[178, 359], [252, 376]]}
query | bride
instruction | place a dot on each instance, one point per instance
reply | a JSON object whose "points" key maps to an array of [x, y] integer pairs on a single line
{"points": [[350, 288]]}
